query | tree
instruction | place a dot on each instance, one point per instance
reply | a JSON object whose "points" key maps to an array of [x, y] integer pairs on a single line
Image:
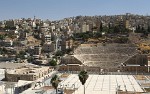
{"points": [[21, 55], [55, 81], [10, 27], [101, 27], [2, 37], [97, 35], [30, 59], [59, 53], [121, 40], [53, 62], [83, 76], [105, 29], [138, 29], [148, 30], [3, 51], [116, 29]]}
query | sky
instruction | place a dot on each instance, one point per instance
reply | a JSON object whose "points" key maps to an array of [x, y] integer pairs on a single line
{"points": [[59, 9]]}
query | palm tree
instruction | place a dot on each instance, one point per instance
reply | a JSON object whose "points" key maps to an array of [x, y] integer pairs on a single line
{"points": [[83, 76], [55, 81]]}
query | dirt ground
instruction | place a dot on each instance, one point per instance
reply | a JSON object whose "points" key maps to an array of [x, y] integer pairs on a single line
{"points": [[140, 77], [64, 75]]}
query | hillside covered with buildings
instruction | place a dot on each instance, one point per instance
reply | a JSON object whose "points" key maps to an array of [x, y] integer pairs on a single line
{"points": [[33, 49]]}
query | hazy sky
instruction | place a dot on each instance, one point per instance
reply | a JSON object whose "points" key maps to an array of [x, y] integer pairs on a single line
{"points": [[58, 9]]}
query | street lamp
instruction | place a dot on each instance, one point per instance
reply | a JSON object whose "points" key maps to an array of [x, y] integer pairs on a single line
{"points": [[68, 68], [136, 63], [125, 88], [117, 89], [81, 66], [102, 71], [73, 85]]}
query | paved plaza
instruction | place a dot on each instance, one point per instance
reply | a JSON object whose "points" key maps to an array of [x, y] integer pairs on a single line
{"points": [[102, 84]]}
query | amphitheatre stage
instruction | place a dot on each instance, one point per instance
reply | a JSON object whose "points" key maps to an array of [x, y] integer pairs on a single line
{"points": [[102, 84]]}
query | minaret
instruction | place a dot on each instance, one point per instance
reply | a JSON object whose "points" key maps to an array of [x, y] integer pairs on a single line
{"points": [[34, 22], [34, 18]]}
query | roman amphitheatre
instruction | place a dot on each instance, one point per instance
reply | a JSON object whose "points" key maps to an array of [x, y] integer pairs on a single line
{"points": [[107, 57]]}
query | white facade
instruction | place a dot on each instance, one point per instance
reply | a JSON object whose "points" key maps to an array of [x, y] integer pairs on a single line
{"points": [[33, 24], [85, 28], [48, 38]]}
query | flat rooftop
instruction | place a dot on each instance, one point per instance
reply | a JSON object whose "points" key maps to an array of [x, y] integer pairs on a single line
{"points": [[102, 84], [29, 70], [10, 65]]}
